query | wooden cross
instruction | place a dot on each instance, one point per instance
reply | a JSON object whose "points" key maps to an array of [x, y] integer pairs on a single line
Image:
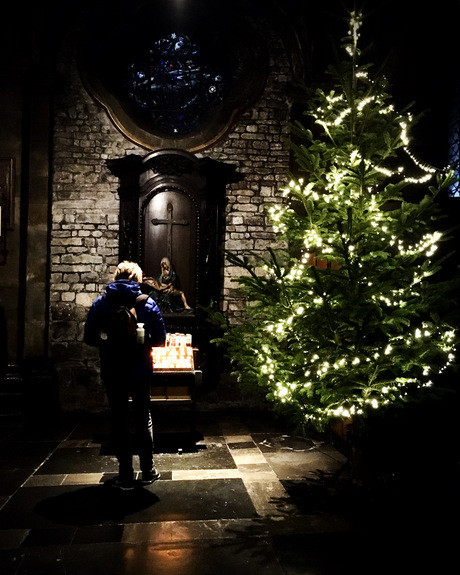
{"points": [[169, 222]]}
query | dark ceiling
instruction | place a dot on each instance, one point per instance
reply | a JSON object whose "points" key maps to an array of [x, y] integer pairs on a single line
{"points": [[419, 40]]}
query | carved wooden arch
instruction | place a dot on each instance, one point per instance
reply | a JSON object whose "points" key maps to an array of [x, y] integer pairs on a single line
{"points": [[180, 242], [200, 184]]}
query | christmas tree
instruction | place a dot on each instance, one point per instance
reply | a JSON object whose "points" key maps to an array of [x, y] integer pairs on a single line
{"points": [[354, 315]]}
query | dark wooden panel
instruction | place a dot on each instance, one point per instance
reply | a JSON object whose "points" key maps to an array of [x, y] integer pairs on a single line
{"points": [[170, 230]]}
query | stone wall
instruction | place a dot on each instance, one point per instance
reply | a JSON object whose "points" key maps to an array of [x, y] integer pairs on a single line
{"points": [[84, 239]]}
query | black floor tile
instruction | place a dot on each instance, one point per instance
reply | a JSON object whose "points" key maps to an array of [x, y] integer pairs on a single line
{"points": [[47, 507], [95, 428], [11, 562], [90, 534], [197, 500], [172, 442], [9, 427], [172, 451], [24, 454], [191, 558], [244, 557], [12, 479], [78, 460], [47, 430], [269, 442], [48, 537]]}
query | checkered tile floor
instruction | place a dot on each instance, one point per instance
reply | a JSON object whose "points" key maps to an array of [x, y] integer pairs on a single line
{"points": [[237, 495]]}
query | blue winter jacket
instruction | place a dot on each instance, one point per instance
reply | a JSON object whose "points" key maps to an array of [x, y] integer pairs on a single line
{"points": [[123, 292]]}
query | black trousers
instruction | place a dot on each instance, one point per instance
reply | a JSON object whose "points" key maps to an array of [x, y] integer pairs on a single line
{"points": [[130, 420]]}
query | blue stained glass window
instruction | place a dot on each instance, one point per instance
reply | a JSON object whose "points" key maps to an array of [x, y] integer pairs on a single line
{"points": [[454, 144], [174, 84]]}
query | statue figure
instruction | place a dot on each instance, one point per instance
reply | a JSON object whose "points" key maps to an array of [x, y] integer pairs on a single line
{"points": [[164, 289]]}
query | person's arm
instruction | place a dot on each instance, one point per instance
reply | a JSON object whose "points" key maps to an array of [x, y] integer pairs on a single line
{"points": [[93, 326], [154, 324]]}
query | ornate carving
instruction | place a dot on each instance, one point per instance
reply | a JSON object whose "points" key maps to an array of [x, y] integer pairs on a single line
{"points": [[171, 165], [172, 204]]}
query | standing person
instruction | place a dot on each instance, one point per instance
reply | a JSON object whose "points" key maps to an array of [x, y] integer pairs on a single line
{"points": [[127, 372]]}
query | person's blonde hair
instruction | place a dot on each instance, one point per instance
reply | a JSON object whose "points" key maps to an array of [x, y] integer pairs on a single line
{"points": [[128, 271]]}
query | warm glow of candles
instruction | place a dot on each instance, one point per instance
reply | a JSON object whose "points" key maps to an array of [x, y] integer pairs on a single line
{"points": [[177, 354]]}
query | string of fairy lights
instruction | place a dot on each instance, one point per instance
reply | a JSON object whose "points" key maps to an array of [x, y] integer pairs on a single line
{"points": [[329, 244]]}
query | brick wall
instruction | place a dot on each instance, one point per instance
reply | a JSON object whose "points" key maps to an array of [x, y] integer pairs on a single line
{"points": [[84, 239]]}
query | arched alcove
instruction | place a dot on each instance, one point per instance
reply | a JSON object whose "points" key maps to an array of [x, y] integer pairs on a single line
{"points": [[172, 205]]}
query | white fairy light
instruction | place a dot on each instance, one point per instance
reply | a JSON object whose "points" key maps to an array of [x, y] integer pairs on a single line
{"points": [[387, 110], [404, 135], [338, 186], [425, 167], [365, 102], [355, 25]]}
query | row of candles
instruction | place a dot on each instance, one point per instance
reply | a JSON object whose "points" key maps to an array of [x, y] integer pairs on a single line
{"points": [[176, 354]]}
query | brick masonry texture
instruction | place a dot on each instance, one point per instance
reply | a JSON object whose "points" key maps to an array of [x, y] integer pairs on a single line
{"points": [[85, 209]]}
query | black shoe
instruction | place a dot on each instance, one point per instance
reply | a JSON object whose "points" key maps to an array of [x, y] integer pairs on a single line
{"points": [[122, 483], [149, 477]]}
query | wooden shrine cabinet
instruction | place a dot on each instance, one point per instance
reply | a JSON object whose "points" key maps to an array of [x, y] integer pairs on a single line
{"points": [[172, 206]]}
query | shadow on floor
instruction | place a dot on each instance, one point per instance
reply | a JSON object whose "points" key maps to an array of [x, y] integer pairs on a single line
{"points": [[94, 505]]}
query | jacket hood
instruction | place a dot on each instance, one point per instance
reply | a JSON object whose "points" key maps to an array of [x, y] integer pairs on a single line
{"points": [[122, 292]]}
